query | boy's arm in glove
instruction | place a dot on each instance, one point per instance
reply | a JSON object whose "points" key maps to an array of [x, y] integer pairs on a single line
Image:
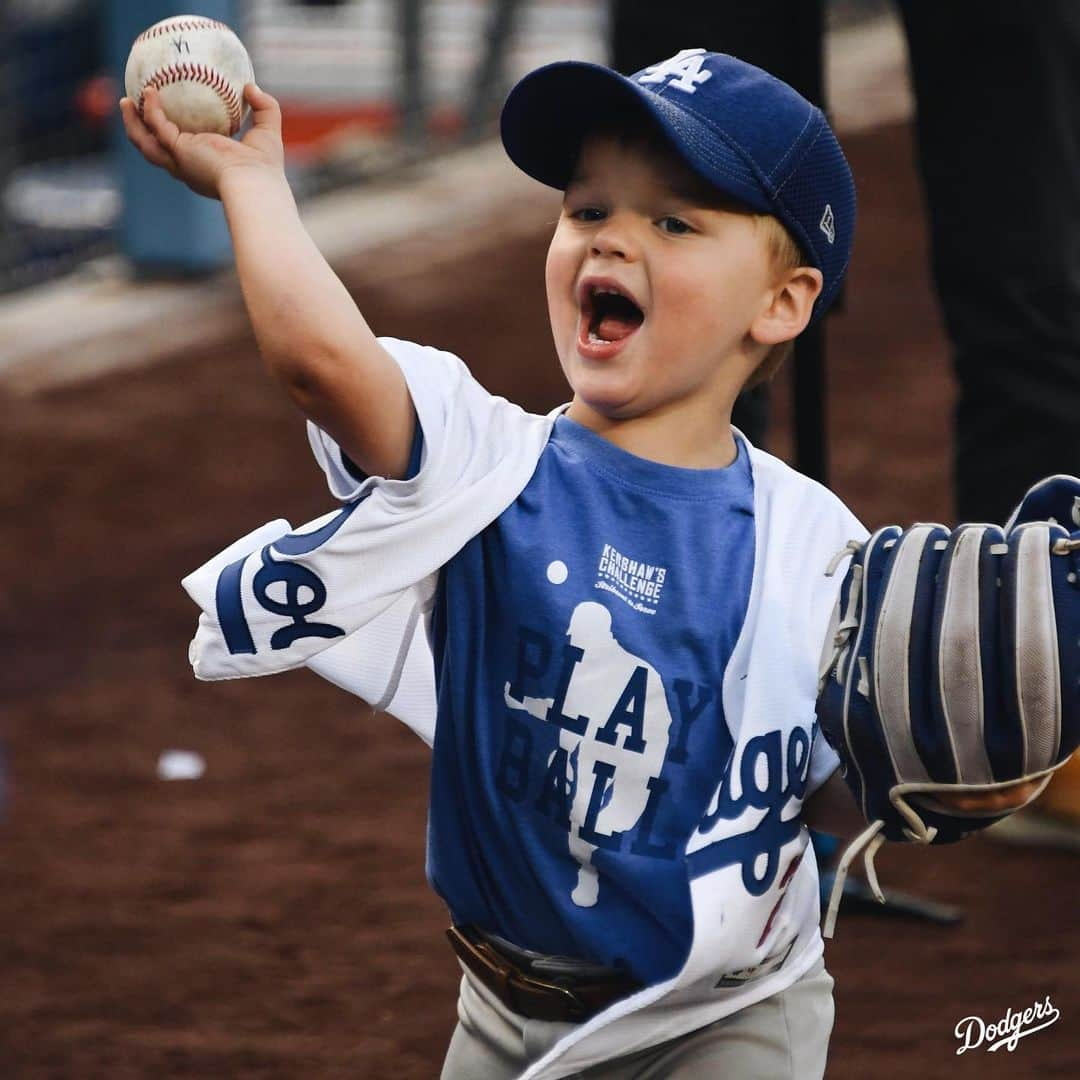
{"points": [[951, 671]]}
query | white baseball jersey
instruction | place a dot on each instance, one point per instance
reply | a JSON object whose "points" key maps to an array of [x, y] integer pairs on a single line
{"points": [[616, 662]]}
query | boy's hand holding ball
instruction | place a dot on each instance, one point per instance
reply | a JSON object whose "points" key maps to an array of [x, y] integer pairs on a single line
{"points": [[199, 68], [189, 84]]}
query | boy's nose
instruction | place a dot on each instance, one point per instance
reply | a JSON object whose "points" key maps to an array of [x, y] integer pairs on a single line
{"points": [[613, 239]]}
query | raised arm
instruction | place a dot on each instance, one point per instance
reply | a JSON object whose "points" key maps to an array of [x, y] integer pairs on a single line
{"points": [[312, 336]]}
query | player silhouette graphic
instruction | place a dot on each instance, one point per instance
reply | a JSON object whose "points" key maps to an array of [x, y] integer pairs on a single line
{"points": [[607, 769]]}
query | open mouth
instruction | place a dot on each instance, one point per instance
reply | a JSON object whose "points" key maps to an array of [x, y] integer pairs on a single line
{"points": [[608, 313]]}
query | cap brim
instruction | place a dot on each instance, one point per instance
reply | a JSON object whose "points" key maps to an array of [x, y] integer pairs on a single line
{"points": [[551, 110]]}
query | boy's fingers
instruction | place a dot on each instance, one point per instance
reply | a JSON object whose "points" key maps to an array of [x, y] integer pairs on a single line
{"points": [[143, 139], [992, 802], [160, 125], [266, 109]]}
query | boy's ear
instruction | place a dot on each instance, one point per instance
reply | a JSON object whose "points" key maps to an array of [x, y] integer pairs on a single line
{"points": [[790, 306]]}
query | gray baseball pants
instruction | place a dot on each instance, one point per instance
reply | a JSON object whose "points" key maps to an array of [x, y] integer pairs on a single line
{"points": [[784, 1037]]}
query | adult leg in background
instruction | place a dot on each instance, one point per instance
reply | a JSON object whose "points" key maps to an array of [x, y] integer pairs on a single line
{"points": [[998, 89]]}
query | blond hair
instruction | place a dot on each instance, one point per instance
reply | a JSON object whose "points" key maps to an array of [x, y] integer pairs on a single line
{"points": [[785, 254]]}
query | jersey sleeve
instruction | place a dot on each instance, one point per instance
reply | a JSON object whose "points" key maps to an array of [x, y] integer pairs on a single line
{"points": [[413, 467], [278, 598], [438, 382], [343, 476]]}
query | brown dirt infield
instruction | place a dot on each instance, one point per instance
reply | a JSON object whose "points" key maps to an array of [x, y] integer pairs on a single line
{"points": [[272, 919]]}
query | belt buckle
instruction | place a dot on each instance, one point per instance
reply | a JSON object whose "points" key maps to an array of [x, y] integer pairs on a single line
{"points": [[513, 979], [577, 1009]]}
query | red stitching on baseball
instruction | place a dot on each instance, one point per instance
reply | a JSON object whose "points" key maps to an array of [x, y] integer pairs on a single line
{"points": [[198, 73], [181, 25]]}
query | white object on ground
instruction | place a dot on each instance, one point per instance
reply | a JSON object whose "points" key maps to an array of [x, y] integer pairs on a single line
{"points": [[180, 765], [199, 68]]}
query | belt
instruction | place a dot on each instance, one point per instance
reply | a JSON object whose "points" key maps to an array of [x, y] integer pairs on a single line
{"points": [[567, 997]]}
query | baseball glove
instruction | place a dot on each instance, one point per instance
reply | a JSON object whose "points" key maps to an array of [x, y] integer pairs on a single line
{"points": [[952, 666]]}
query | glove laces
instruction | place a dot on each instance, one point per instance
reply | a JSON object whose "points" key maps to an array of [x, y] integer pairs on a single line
{"points": [[833, 658], [868, 842], [852, 547]]}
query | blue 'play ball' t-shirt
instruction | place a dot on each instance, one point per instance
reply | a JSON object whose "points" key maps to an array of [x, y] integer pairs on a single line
{"points": [[580, 645]]}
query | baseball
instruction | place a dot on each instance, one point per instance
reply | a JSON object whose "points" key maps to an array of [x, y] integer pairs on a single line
{"points": [[199, 68]]}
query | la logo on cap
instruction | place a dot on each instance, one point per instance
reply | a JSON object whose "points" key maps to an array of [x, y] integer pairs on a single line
{"points": [[686, 64]]}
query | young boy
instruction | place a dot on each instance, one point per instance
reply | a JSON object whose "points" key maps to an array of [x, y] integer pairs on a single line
{"points": [[601, 618]]}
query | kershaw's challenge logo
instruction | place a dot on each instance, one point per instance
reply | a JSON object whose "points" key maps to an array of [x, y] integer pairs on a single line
{"points": [[636, 583]]}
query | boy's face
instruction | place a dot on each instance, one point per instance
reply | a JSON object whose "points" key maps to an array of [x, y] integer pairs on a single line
{"points": [[691, 276]]}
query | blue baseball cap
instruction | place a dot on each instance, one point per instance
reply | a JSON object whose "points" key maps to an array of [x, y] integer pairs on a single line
{"points": [[738, 127]]}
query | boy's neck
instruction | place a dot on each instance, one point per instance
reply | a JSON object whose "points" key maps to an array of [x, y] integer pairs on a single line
{"points": [[668, 437]]}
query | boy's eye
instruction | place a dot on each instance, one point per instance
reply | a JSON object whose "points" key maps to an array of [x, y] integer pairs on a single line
{"points": [[674, 225], [589, 213]]}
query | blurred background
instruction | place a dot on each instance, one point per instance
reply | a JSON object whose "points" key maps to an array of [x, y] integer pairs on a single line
{"points": [[228, 879], [365, 85]]}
